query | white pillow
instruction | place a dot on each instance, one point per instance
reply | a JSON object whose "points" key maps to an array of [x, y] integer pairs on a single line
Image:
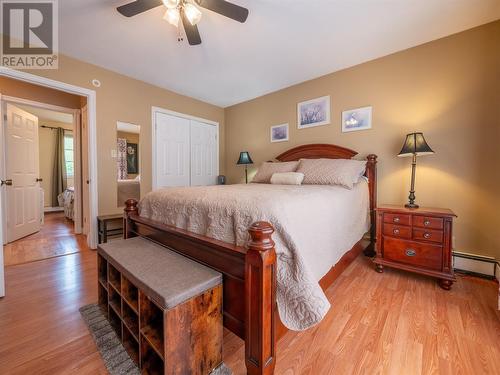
{"points": [[287, 178], [267, 169], [344, 172]]}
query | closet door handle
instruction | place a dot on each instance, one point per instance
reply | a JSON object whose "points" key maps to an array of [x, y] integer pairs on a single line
{"points": [[6, 182], [39, 180]]}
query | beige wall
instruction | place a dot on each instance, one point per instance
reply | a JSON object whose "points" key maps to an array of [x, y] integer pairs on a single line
{"points": [[40, 94], [449, 89], [47, 148], [121, 98]]}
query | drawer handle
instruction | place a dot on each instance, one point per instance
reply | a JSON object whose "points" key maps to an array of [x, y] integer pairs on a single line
{"points": [[396, 219], [410, 252], [395, 231], [427, 235], [427, 223]]}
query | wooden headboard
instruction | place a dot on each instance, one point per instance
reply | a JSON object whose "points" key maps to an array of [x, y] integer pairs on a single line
{"points": [[327, 151]]}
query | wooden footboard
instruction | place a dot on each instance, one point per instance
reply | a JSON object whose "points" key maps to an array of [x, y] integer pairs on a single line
{"points": [[249, 278]]}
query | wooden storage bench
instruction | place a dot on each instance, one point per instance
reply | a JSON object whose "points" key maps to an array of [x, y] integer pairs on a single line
{"points": [[166, 308]]}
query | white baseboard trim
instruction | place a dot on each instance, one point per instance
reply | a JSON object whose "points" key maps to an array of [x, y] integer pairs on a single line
{"points": [[479, 264], [53, 209]]}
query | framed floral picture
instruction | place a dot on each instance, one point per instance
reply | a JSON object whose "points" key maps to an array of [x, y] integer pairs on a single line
{"points": [[132, 158], [314, 112], [357, 119], [279, 133]]}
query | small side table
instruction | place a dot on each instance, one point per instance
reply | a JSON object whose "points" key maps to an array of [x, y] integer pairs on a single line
{"points": [[416, 240], [109, 225]]}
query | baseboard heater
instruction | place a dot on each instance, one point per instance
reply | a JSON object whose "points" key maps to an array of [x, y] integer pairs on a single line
{"points": [[477, 265]]}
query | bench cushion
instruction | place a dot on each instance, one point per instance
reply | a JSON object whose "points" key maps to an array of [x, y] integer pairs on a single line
{"points": [[168, 277]]}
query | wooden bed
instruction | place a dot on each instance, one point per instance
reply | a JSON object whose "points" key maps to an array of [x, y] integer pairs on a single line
{"points": [[250, 273]]}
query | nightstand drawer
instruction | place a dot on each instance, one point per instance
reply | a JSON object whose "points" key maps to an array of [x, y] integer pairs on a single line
{"points": [[400, 219], [399, 231], [428, 222], [420, 234], [413, 253]]}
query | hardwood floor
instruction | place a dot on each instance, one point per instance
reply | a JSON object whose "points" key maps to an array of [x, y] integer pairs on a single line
{"points": [[55, 238], [391, 323]]}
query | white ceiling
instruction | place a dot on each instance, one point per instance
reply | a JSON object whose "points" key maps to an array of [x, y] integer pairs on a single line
{"points": [[48, 115], [283, 42]]}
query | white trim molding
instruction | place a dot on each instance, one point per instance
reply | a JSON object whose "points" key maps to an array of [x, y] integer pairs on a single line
{"points": [[92, 129]]}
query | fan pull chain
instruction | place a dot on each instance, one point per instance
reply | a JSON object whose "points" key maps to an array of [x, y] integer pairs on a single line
{"points": [[180, 38]]}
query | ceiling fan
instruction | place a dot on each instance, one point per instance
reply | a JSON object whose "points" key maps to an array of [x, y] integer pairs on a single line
{"points": [[187, 11]]}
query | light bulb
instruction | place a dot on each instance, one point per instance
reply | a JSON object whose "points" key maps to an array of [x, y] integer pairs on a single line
{"points": [[192, 13], [171, 4], [172, 16]]}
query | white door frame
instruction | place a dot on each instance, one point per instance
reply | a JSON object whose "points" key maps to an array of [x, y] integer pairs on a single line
{"points": [[76, 143], [154, 111], [92, 133]]}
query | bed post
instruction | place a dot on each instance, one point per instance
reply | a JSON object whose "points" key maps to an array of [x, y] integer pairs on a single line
{"points": [[260, 301], [130, 208], [371, 174]]}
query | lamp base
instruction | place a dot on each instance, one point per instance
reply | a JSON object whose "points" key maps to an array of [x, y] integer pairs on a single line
{"points": [[411, 205]]}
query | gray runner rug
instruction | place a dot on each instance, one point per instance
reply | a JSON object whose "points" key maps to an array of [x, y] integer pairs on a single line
{"points": [[113, 353]]}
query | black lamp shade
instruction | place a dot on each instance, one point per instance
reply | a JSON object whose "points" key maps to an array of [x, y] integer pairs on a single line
{"points": [[245, 158], [415, 144]]}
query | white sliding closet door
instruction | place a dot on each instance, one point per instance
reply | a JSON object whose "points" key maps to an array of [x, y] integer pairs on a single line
{"points": [[172, 151], [186, 151], [203, 154]]}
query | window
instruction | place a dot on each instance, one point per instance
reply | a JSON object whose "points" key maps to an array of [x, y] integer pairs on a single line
{"points": [[68, 154]]}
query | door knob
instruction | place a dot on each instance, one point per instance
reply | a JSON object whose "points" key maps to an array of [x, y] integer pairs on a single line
{"points": [[39, 180], [6, 182]]}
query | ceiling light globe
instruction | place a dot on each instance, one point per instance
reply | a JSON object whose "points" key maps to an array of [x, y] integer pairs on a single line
{"points": [[192, 13], [171, 4], [172, 16]]}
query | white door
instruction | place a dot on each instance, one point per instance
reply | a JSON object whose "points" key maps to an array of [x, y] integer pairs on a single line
{"points": [[172, 151], [22, 168], [204, 145]]}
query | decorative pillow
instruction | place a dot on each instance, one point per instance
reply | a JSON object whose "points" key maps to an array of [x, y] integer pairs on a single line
{"points": [[344, 172], [287, 178], [267, 169]]}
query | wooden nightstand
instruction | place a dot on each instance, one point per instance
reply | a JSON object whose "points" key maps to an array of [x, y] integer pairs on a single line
{"points": [[416, 240]]}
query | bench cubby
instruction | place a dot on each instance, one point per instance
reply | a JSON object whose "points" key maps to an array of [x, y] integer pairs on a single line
{"points": [[163, 333]]}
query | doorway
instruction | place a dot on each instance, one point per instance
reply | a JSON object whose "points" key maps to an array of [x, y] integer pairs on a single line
{"points": [[88, 114], [42, 193]]}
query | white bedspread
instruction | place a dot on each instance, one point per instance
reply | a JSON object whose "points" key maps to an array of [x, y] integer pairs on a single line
{"points": [[314, 226]]}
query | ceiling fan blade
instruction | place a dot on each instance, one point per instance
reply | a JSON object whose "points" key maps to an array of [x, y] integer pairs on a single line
{"points": [[137, 7], [192, 33], [225, 8]]}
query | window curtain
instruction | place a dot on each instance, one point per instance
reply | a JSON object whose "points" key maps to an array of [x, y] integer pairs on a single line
{"points": [[59, 170], [121, 147]]}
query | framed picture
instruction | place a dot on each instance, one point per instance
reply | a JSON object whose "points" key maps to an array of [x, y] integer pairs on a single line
{"points": [[357, 119], [279, 133], [132, 158], [315, 112]]}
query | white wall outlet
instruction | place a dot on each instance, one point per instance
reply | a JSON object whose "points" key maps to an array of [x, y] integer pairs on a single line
{"points": [[113, 153]]}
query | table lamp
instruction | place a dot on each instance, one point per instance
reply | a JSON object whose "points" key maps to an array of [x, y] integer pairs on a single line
{"points": [[415, 145], [245, 159]]}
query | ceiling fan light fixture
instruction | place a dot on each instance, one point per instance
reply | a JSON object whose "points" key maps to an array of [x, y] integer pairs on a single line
{"points": [[172, 16], [171, 4], [192, 13]]}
